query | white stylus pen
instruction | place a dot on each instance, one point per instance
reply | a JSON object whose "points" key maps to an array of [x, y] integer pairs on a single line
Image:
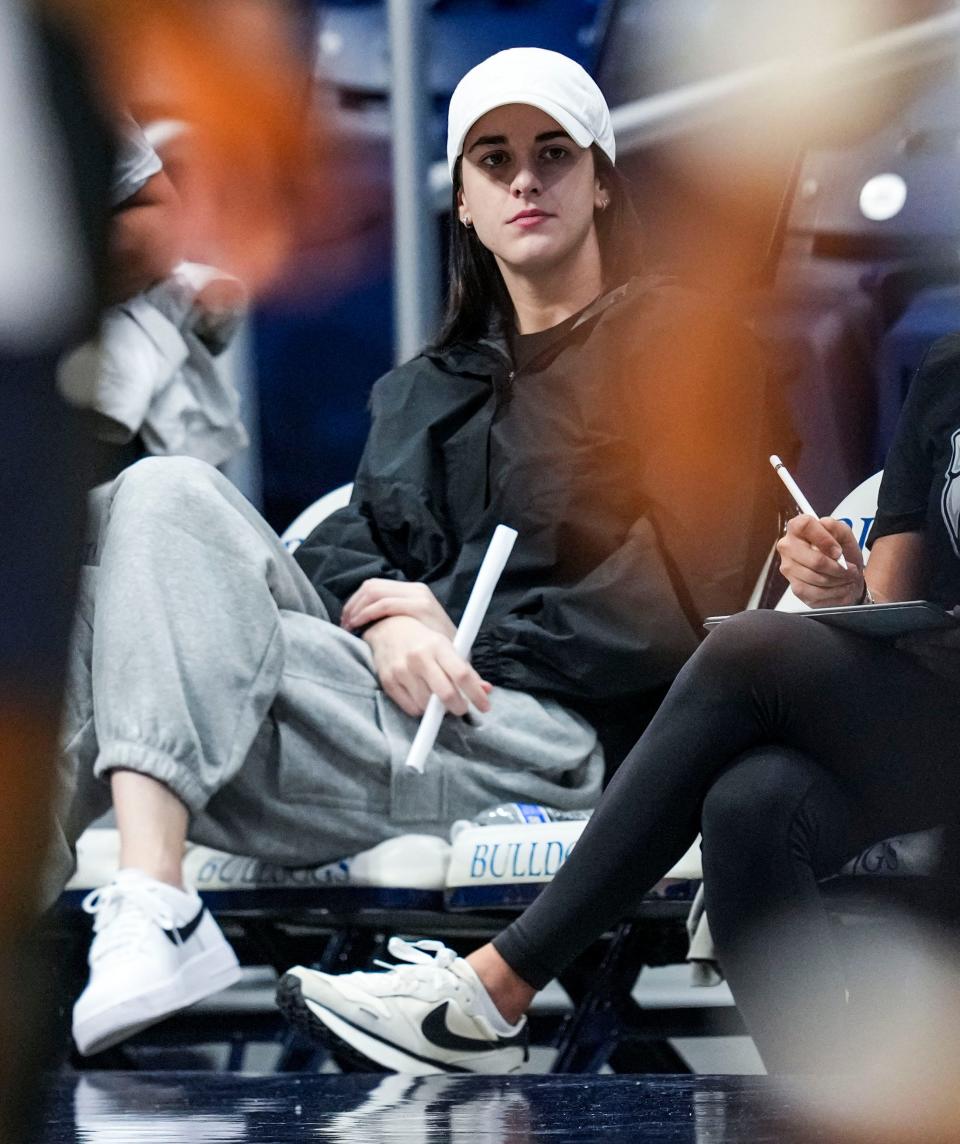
{"points": [[794, 490]]}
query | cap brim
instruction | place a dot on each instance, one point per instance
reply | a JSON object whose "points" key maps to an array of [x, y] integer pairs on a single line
{"points": [[577, 132]]}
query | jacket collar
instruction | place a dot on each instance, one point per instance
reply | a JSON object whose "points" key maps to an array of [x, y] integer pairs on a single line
{"points": [[489, 355]]}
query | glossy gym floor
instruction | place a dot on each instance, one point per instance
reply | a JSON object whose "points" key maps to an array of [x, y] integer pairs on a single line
{"points": [[203, 1108]]}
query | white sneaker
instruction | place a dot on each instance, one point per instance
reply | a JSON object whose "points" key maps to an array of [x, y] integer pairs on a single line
{"points": [[155, 950], [431, 1016]]}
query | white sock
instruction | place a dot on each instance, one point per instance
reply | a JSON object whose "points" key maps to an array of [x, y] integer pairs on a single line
{"points": [[485, 1003]]}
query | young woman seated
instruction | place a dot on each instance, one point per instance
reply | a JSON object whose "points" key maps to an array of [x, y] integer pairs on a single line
{"points": [[226, 692]]}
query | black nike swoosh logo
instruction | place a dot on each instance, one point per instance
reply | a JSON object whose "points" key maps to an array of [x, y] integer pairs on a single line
{"points": [[179, 935], [434, 1028]]}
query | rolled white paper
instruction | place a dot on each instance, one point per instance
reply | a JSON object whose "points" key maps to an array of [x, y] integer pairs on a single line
{"points": [[497, 554]]}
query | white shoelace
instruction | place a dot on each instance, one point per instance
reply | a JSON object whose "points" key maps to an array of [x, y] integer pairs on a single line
{"points": [[428, 960], [121, 913], [418, 952]]}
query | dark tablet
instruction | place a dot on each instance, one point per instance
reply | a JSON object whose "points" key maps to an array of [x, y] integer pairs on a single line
{"points": [[875, 619]]}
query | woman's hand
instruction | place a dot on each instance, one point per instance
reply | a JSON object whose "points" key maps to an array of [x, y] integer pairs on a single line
{"points": [[808, 559], [376, 599], [414, 661]]}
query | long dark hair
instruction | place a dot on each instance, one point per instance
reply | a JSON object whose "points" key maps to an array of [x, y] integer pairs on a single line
{"points": [[477, 298]]}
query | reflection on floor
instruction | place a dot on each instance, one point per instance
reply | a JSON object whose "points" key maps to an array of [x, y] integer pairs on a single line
{"points": [[210, 1108]]}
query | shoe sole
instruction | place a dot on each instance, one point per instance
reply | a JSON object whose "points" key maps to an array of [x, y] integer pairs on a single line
{"points": [[367, 1052], [291, 1003], [218, 968]]}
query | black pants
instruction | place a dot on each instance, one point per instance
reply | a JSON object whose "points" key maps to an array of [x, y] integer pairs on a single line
{"points": [[793, 745]]}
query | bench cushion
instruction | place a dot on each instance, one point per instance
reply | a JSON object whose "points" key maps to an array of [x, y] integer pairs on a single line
{"points": [[487, 867], [404, 872], [506, 865]]}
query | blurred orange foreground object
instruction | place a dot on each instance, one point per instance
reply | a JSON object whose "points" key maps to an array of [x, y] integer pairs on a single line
{"points": [[228, 69]]}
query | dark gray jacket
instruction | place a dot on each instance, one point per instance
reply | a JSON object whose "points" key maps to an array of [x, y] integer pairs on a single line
{"points": [[630, 457]]}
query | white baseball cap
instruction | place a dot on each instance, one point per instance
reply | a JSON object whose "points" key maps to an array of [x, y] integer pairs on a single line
{"points": [[540, 78]]}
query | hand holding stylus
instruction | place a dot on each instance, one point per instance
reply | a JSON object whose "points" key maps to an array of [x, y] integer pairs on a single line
{"points": [[808, 562], [819, 556]]}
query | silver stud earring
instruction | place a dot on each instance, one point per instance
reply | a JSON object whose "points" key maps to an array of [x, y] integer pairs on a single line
{"points": [[467, 222]]}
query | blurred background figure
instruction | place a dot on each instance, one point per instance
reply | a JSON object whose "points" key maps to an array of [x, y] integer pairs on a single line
{"points": [[150, 379], [86, 223], [194, 240]]}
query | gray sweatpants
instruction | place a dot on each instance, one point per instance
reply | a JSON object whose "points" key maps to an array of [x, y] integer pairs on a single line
{"points": [[203, 657]]}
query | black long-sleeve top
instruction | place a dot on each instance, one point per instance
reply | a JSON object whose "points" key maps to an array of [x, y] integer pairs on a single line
{"points": [[629, 454]]}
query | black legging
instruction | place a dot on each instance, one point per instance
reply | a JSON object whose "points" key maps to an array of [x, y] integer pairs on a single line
{"points": [[793, 745]]}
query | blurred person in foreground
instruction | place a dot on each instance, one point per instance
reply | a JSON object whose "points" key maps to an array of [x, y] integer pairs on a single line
{"points": [[53, 228], [227, 692], [791, 745], [63, 258], [65, 68]]}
